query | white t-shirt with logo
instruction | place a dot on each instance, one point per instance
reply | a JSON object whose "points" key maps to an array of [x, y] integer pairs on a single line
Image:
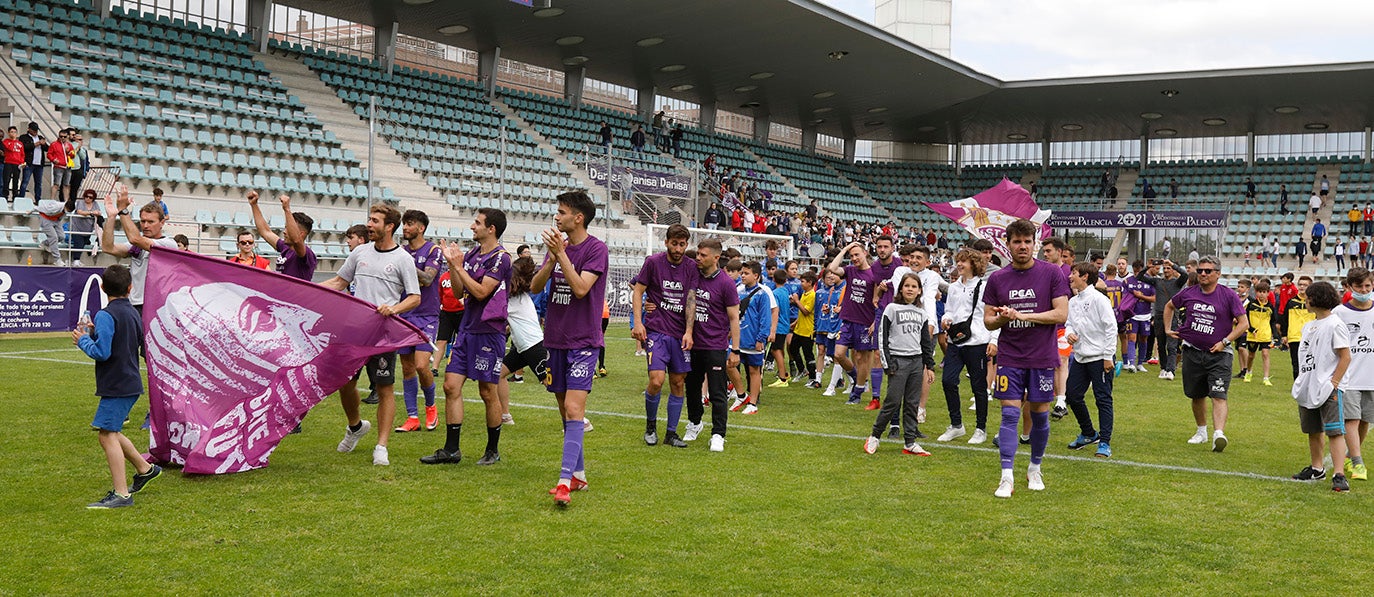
{"points": [[1359, 325], [1316, 360]]}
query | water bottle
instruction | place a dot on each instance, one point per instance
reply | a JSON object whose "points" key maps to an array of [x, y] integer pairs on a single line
{"points": [[85, 321]]}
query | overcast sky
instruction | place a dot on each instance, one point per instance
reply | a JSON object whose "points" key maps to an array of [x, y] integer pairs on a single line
{"points": [[1059, 38]]}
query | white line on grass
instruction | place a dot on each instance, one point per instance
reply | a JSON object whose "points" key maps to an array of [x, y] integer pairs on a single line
{"points": [[1148, 465], [13, 356], [50, 350]]}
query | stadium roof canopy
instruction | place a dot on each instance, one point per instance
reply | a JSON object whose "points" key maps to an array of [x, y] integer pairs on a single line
{"points": [[883, 87]]}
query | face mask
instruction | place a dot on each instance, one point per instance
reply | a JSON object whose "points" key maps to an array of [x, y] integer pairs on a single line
{"points": [[1362, 297]]}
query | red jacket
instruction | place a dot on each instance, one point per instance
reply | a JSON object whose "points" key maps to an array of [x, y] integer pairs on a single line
{"points": [[1286, 292], [14, 152], [448, 302], [259, 261], [57, 153]]}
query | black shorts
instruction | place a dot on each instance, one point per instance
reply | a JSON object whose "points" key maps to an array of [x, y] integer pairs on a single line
{"points": [[1325, 418], [381, 369], [1206, 374], [1325, 191], [448, 325], [779, 344], [1257, 346], [536, 358]]}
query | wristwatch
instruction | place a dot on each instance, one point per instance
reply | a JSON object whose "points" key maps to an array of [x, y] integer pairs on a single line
{"points": [[123, 212]]}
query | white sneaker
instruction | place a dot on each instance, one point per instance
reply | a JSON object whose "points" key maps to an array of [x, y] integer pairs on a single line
{"points": [[60, 263], [506, 419], [951, 433], [1171, 375], [735, 403], [1035, 481], [920, 414], [1005, 487], [973, 404], [1141, 369], [749, 410], [870, 445], [1163, 374], [828, 392], [1219, 441], [586, 425], [693, 430], [379, 456], [979, 436], [77, 263], [351, 437], [717, 443], [1199, 437]]}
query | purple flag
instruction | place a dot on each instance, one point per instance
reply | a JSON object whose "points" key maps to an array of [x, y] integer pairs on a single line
{"points": [[987, 214], [238, 355]]}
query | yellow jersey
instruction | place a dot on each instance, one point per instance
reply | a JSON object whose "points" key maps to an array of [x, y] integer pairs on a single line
{"points": [[806, 315]]}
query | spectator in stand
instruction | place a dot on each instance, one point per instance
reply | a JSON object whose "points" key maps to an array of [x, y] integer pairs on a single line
{"points": [[637, 139], [60, 154], [1368, 219], [1274, 251], [1356, 217], [35, 159], [1318, 234], [14, 164], [606, 137], [1173, 190], [1034, 189], [1249, 190], [81, 166], [1300, 251], [1315, 203], [50, 212], [1147, 191], [1340, 255], [248, 254], [86, 218], [655, 126], [182, 242], [713, 216], [677, 141], [737, 220], [710, 165], [1325, 186], [1283, 199], [157, 199]]}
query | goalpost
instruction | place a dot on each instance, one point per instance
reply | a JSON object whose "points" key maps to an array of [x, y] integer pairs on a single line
{"points": [[750, 245]]}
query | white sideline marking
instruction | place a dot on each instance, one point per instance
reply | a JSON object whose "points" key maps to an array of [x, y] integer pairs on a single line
{"points": [[1111, 461], [967, 448], [5, 354]]}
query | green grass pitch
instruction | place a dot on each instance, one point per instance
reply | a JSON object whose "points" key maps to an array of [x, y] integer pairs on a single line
{"points": [[792, 506]]}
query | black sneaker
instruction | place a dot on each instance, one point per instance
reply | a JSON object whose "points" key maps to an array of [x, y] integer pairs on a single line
{"points": [[441, 456], [1241, 375], [141, 481], [372, 398], [516, 378], [491, 457], [1310, 474], [920, 435], [1058, 412], [671, 439], [894, 432], [854, 400], [1025, 440], [111, 500], [1339, 484]]}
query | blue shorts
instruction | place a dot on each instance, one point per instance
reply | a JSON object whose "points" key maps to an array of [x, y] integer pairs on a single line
{"points": [[430, 327], [751, 360], [112, 412], [1015, 383], [666, 354], [572, 369], [856, 336], [477, 357], [826, 342]]}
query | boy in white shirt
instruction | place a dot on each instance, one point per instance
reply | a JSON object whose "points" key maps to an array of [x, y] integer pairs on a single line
{"points": [[1091, 331], [1319, 374]]}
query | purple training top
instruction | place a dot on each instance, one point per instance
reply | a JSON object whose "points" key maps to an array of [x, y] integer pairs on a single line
{"points": [[572, 322], [427, 256], [1140, 307], [667, 287], [857, 306], [714, 295], [1206, 317], [300, 267], [1033, 290], [487, 316]]}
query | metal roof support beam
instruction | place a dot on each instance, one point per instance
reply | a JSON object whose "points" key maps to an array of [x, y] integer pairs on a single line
{"points": [[1044, 155], [809, 139], [646, 102], [1368, 140], [102, 7], [259, 21], [959, 159], [1250, 148], [851, 149], [486, 69], [761, 127], [707, 115], [1144, 151], [384, 44], [574, 78]]}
